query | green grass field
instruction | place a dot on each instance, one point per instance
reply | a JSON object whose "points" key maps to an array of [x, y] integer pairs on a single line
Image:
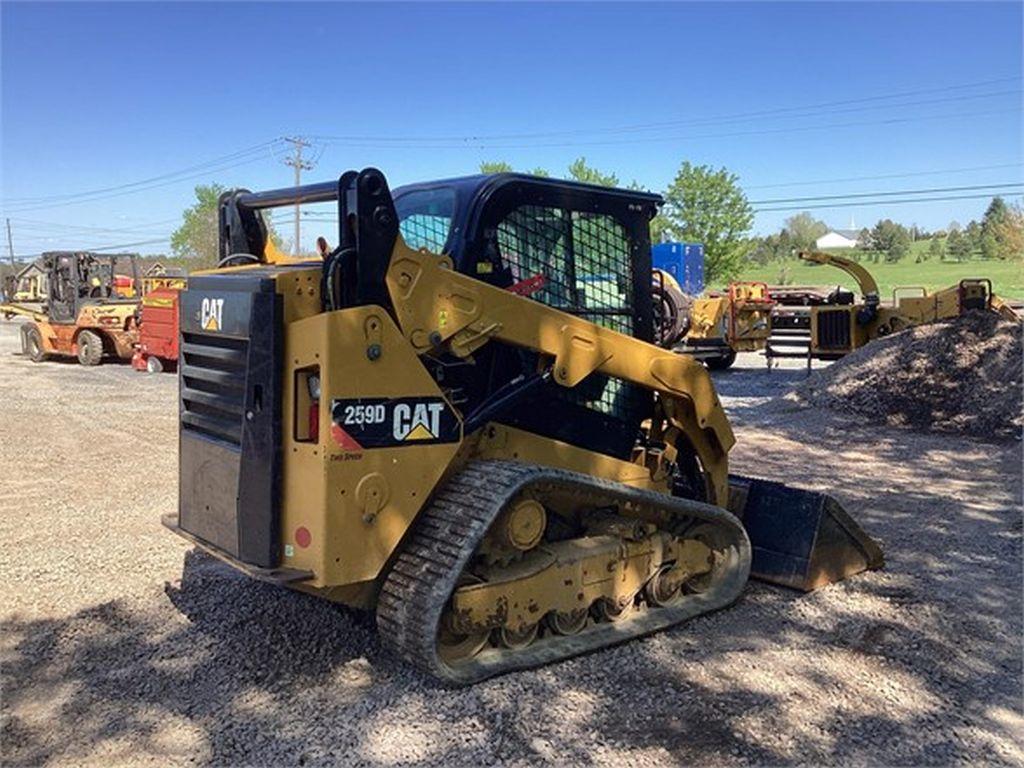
{"points": [[1007, 276]]}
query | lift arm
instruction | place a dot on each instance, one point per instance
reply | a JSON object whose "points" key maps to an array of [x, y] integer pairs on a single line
{"points": [[435, 306]]}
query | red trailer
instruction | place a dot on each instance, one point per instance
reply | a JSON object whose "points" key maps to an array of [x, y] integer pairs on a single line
{"points": [[158, 332]]}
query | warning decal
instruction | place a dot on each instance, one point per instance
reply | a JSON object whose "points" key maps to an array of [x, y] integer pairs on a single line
{"points": [[386, 423]]}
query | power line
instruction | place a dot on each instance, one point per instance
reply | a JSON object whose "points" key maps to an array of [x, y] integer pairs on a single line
{"points": [[895, 193], [119, 246], [161, 177], [872, 202], [697, 137], [23, 208], [676, 123], [47, 226], [78, 241], [885, 176]]}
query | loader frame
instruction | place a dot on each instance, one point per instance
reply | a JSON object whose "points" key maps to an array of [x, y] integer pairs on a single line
{"points": [[304, 384]]}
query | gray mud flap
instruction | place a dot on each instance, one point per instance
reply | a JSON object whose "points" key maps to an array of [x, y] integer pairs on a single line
{"points": [[800, 539]]}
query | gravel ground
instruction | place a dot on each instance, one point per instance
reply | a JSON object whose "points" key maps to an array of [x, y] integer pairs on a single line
{"points": [[121, 645]]}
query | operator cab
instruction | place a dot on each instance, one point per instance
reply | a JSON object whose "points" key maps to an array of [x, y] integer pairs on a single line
{"points": [[579, 248]]}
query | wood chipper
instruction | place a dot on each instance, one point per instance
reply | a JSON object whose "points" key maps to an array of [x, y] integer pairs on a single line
{"points": [[840, 323], [457, 419]]}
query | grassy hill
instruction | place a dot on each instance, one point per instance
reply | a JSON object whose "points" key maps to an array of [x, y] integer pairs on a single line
{"points": [[1007, 276]]}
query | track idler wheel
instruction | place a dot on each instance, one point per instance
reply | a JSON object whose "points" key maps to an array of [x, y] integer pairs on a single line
{"points": [[454, 645], [612, 611]]}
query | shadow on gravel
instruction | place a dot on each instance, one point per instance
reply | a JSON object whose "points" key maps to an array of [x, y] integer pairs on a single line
{"points": [[122, 673], [263, 676], [917, 664]]}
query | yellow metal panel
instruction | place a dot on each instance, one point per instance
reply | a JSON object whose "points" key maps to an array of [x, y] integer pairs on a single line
{"points": [[707, 318], [501, 442], [356, 505], [301, 291]]}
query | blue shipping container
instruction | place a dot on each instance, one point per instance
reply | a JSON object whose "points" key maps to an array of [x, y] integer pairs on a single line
{"points": [[684, 261]]}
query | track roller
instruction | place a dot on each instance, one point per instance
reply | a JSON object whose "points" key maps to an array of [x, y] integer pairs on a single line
{"points": [[620, 563]]}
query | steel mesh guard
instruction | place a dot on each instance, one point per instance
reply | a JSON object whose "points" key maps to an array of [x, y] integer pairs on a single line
{"points": [[584, 259], [423, 230]]}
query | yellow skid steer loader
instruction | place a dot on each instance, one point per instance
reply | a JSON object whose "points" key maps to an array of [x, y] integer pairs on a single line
{"points": [[457, 418]]}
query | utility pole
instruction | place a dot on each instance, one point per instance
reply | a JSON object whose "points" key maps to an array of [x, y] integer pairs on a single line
{"points": [[10, 246], [299, 165]]}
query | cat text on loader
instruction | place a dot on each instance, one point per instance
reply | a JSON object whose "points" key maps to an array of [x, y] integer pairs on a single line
{"points": [[456, 419]]}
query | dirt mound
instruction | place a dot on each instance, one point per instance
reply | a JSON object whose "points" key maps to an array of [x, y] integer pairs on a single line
{"points": [[962, 375]]}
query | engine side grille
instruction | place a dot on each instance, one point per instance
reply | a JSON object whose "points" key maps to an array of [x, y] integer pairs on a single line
{"points": [[834, 329], [213, 386]]}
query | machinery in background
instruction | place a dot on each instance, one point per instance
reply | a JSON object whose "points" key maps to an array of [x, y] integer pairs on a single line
{"points": [[684, 262], [458, 419], [157, 347], [830, 326], [713, 329], [723, 324], [85, 313], [678, 276]]}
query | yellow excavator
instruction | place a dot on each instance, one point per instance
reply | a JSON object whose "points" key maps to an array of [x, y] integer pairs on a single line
{"points": [[456, 418], [839, 328]]}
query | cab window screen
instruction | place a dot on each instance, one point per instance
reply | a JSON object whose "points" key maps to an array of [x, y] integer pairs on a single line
{"points": [[425, 218], [584, 259]]}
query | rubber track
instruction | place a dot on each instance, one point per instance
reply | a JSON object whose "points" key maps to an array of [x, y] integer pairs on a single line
{"points": [[447, 533]]}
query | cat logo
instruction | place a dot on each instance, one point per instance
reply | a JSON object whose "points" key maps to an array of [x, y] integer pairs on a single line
{"points": [[385, 422], [211, 314], [416, 421]]}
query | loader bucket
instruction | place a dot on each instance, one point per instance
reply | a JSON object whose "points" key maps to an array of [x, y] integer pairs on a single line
{"points": [[800, 539]]}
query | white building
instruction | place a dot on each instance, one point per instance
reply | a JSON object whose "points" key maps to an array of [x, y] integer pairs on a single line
{"points": [[838, 238]]}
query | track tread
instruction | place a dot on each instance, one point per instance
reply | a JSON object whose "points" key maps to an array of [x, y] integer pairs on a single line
{"points": [[447, 533]]}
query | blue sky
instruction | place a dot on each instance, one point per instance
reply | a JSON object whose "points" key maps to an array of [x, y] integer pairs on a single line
{"points": [[794, 98]]}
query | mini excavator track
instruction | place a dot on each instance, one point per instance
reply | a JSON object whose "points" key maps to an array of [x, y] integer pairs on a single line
{"points": [[515, 565]]}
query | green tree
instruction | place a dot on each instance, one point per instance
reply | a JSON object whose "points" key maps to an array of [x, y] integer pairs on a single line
{"points": [[804, 230], [495, 166], [936, 249], [580, 171], [777, 247], [958, 245], [864, 240], [975, 236], [706, 205], [890, 239], [196, 239], [500, 166], [1009, 234], [996, 239]]}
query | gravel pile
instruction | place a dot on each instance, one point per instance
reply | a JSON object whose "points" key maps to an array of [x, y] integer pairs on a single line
{"points": [[120, 645], [962, 375]]}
